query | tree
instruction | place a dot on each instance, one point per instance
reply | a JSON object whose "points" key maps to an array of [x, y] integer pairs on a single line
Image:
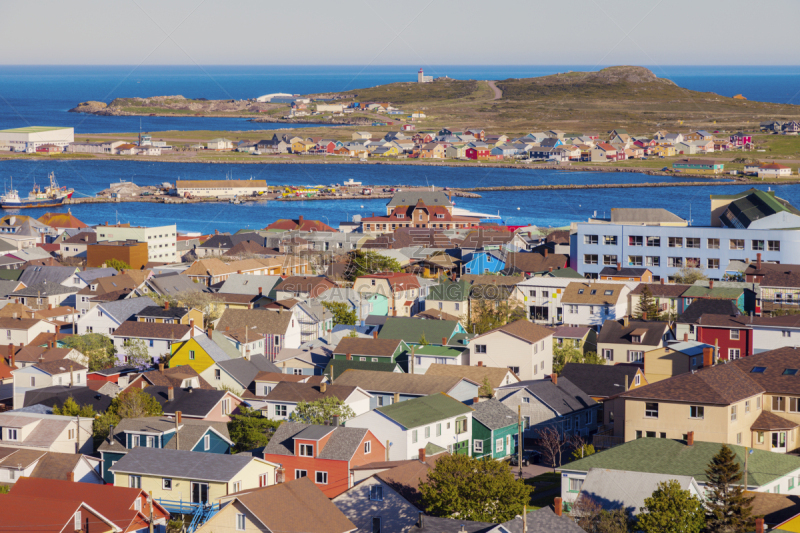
{"points": [[580, 448], [647, 305], [728, 509], [422, 340], [342, 313], [71, 408], [671, 510], [102, 425], [322, 411], [568, 353], [486, 390], [462, 487], [206, 302], [688, 275], [552, 443], [135, 403], [97, 347], [117, 264], [616, 521], [353, 334], [364, 262], [249, 430], [488, 314], [137, 354]]}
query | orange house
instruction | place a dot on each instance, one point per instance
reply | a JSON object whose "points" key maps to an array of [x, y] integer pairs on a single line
{"points": [[618, 273]]}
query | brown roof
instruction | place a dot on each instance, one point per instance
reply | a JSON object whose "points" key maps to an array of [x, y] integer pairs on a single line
{"points": [[776, 275], [768, 421], [305, 392], [723, 321], [277, 376], [47, 338], [667, 290], [579, 292], [527, 331], [489, 279], [228, 298], [405, 479], [722, 384], [15, 309], [265, 322], [534, 262], [297, 505], [56, 465], [248, 247], [59, 366], [171, 377], [476, 374], [82, 238], [370, 346], [785, 321], [20, 456], [151, 330], [33, 352], [435, 314], [774, 362], [18, 323], [775, 508], [615, 332], [398, 281]]}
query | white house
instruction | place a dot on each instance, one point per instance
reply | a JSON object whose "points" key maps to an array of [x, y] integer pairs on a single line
{"points": [[774, 170], [107, 317], [419, 427], [591, 304], [284, 397], [52, 433], [46, 374], [220, 144], [521, 346], [770, 333], [158, 337], [23, 330], [542, 297]]}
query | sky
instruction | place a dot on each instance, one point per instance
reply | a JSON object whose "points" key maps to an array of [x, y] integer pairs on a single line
{"points": [[353, 32]]}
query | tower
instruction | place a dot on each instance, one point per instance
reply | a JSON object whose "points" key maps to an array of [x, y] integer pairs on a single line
{"points": [[420, 77]]}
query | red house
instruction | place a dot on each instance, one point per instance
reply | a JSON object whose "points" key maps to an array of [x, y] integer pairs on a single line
{"points": [[323, 453], [732, 334], [741, 139], [409, 127], [478, 154], [111, 374]]}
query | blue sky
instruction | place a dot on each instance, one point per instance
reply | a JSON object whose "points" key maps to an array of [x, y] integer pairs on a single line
{"points": [[412, 32]]}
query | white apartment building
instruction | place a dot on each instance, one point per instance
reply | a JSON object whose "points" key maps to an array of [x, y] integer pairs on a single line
{"points": [[162, 241]]}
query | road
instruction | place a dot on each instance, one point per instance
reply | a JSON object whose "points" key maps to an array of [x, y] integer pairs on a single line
{"points": [[498, 94]]}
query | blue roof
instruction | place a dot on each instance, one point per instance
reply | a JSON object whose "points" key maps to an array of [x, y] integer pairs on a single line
{"points": [[690, 348]]}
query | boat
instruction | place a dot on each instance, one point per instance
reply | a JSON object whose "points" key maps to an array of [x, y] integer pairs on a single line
{"points": [[51, 196]]}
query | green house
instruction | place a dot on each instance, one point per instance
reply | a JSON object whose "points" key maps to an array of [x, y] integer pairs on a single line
{"points": [[338, 366], [371, 350], [495, 432], [699, 164]]}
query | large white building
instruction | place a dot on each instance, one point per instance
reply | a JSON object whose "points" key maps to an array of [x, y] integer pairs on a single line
{"points": [[216, 188], [162, 241], [29, 138]]}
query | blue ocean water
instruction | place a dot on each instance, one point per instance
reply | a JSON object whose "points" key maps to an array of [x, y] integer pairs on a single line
{"points": [[41, 95], [546, 208]]}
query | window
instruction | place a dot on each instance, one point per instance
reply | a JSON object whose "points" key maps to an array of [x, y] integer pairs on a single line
{"points": [[206, 442], [498, 446], [758, 369], [758, 403], [794, 405], [575, 484], [734, 334], [635, 260], [191, 355], [610, 240], [414, 437], [78, 526], [300, 473], [697, 411], [761, 437], [654, 241], [439, 429], [610, 260], [241, 522], [712, 244], [737, 244], [734, 353], [135, 482], [675, 242], [217, 374], [590, 239], [774, 246], [480, 348], [637, 379], [33, 381], [526, 400], [635, 240], [477, 446], [590, 259], [322, 478], [263, 481], [376, 493], [376, 524], [428, 432], [651, 410], [652, 261], [526, 422], [166, 483], [608, 354], [280, 410], [367, 447], [693, 242], [778, 403], [650, 434], [738, 438], [306, 450], [713, 263], [514, 369], [675, 262], [733, 413], [635, 356], [693, 262], [12, 434], [747, 406], [786, 333], [757, 245]]}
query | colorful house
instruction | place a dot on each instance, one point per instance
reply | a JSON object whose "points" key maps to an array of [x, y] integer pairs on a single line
{"points": [[699, 164], [483, 261], [199, 352], [373, 350], [495, 431]]}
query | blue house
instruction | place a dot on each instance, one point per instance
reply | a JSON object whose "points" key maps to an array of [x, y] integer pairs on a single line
{"points": [[506, 150], [484, 261], [162, 432]]}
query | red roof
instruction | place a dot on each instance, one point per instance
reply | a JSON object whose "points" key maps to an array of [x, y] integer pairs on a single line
{"points": [[300, 224], [61, 220], [29, 514]]}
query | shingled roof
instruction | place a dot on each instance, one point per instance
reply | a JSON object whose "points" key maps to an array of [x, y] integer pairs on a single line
{"points": [[340, 446], [372, 380], [615, 332], [367, 347]]}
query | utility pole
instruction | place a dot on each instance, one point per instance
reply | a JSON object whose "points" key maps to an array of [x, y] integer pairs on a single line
{"points": [[525, 518], [747, 453], [519, 439], [151, 512]]}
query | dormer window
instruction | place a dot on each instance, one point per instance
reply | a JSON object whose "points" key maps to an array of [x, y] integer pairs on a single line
{"points": [[636, 339], [401, 216], [439, 215], [306, 450], [580, 291], [593, 292]]}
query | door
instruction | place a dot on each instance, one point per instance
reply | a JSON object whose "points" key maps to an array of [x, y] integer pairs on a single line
{"points": [[779, 441], [199, 492]]}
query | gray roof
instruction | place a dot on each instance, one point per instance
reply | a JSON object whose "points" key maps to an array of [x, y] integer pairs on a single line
{"points": [[433, 524], [225, 344], [613, 489], [190, 432], [246, 284], [197, 403], [122, 310], [544, 520], [95, 273], [564, 398], [412, 197], [182, 464], [54, 274], [212, 348], [7, 286], [245, 371], [643, 216], [44, 288], [493, 414], [171, 284], [340, 446]]}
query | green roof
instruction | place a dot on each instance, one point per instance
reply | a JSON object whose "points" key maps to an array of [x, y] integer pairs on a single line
{"points": [[425, 410], [12, 274], [449, 291], [439, 351], [433, 449], [752, 205], [340, 365], [667, 456], [722, 293], [562, 273], [34, 129], [412, 329]]}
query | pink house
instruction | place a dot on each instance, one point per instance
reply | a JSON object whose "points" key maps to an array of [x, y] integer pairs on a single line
{"points": [[741, 139], [199, 404]]}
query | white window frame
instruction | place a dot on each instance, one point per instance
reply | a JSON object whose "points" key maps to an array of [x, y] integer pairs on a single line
{"points": [[241, 522], [304, 449], [368, 447], [206, 442], [166, 483], [321, 475]]}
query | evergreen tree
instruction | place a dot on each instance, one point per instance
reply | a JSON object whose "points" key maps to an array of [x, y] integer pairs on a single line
{"points": [[648, 304], [728, 510]]}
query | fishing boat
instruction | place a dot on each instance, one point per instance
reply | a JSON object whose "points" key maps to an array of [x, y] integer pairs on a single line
{"points": [[50, 196]]}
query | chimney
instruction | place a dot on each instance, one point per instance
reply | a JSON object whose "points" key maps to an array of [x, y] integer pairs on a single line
{"points": [[335, 421], [170, 393], [49, 306], [758, 261], [475, 400], [396, 397], [260, 291], [323, 387], [546, 251], [557, 505], [110, 433], [179, 417], [554, 378], [70, 376], [374, 334], [421, 524], [480, 363], [549, 269], [279, 475], [238, 271], [625, 321], [209, 332], [349, 356], [300, 219], [708, 356], [71, 477], [216, 232], [619, 267], [444, 341], [685, 337], [166, 304], [662, 281], [759, 525], [422, 455], [161, 367], [644, 316], [191, 328], [711, 284], [690, 438], [626, 383]]}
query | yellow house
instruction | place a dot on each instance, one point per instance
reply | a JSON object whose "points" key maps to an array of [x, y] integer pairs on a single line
{"points": [[170, 315], [196, 477], [390, 151], [301, 147], [678, 358], [199, 352], [664, 151]]}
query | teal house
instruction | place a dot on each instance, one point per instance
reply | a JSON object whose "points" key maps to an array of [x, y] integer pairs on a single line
{"points": [[378, 304], [699, 164], [495, 433], [162, 432]]}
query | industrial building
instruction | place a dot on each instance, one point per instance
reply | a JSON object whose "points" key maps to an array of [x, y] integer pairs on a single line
{"points": [[28, 139], [215, 188], [161, 240]]}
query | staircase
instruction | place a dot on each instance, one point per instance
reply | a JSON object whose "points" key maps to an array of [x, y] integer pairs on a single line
{"points": [[200, 512]]}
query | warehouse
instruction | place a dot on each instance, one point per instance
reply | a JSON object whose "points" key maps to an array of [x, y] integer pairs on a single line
{"points": [[220, 187], [30, 138]]}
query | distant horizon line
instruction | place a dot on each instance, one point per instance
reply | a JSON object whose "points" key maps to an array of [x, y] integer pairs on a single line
{"points": [[410, 65]]}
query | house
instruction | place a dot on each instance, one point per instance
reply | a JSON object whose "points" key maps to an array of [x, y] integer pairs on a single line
{"points": [[302, 287], [96, 395], [532, 264], [773, 171], [46, 374], [451, 297], [732, 334], [33, 353], [602, 382], [741, 139], [169, 315], [179, 377], [197, 351], [619, 273], [373, 350], [203, 404], [626, 341], [770, 333], [220, 144], [412, 330], [675, 457], [264, 382], [420, 427], [127, 508], [665, 295], [402, 290], [53, 515], [495, 432], [779, 286], [282, 401], [521, 346], [581, 338], [551, 403], [338, 367], [108, 316], [386, 388], [677, 358], [591, 304], [190, 476], [496, 377], [173, 433], [45, 294], [239, 374], [297, 506], [278, 329], [17, 465], [542, 296], [699, 164], [43, 432], [309, 362], [158, 338], [324, 454], [483, 261], [686, 324]]}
